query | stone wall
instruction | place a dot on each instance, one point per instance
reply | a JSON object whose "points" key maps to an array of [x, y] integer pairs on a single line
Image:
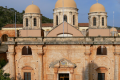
{"points": [[82, 60]]}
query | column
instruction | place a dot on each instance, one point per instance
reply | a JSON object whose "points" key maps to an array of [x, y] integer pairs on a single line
{"points": [[116, 65], [116, 61], [12, 64], [40, 66], [55, 73], [71, 73], [87, 54]]}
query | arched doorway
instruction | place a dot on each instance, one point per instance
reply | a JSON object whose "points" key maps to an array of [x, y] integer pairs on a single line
{"points": [[4, 38]]}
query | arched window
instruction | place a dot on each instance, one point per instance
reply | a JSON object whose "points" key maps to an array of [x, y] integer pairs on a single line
{"points": [[73, 19], [65, 18], [35, 22], [102, 21], [94, 21], [26, 21], [101, 50], [26, 50], [56, 20], [4, 38]]}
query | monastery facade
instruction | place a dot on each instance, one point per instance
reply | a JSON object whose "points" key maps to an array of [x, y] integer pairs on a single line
{"points": [[77, 51]]}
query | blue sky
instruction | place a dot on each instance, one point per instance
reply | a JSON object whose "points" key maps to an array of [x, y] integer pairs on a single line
{"points": [[47, 6]]}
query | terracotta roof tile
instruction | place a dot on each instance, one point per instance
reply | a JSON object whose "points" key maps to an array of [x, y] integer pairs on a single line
{"points": [[83, 24], [21, 25], [47, 24], [118, 31], [43, 25], [13, 26]]}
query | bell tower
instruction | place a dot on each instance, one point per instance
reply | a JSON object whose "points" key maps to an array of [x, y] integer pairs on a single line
{"points": [[32, 17], [97, 16], [68, 9]]}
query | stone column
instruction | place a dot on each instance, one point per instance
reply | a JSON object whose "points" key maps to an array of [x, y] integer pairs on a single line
{"points": [[116, 62], [40, 65], [12, 64], [87, 54], [116, 65], [55, 73], [71, 73], [99, 21]]}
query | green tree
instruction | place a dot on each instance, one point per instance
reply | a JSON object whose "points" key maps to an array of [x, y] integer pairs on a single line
{"points": [[3, 76]]}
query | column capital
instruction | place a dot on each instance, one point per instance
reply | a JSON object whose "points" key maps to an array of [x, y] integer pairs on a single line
{"points": [[55, 70], [71, 70], [40, 52], [116, 53], [11, 53], [87, 53]]}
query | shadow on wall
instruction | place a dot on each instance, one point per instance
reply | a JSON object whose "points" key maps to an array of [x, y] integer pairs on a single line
{"points": [[93, 72]]}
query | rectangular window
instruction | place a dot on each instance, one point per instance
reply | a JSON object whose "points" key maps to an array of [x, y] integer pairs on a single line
{"points": [[101, 76], [27, 76], [103, 21]]}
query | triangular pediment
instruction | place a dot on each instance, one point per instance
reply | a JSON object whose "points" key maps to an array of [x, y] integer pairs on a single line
{"points": [[62, 63], [68, 29]]}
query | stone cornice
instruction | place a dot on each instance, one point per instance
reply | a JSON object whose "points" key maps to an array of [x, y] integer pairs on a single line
{"points": [[64, 40]]}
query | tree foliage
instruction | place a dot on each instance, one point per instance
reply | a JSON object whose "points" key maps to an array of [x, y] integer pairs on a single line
{"points": [[7, 16], [3, 76]]}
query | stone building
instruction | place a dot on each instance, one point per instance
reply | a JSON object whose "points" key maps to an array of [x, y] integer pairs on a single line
{"points": [[63, 53]]}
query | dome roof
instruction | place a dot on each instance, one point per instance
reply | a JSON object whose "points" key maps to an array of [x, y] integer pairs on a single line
{"points": [[97, 8], [67, 3], [32, 9], [111, 29]]}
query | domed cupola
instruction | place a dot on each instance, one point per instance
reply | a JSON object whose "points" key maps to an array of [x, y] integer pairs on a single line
{"points": [[70, 12], [32, 9], [67, 3], [32, 17], [97, 16], [97, 8]]}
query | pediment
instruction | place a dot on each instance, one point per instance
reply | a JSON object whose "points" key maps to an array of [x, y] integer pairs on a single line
{"points": [[68, 29], [62, 63]]}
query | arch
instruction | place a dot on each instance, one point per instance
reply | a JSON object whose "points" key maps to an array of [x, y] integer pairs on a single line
{"points": [[35, 22], [26, 21], [101, 68], [102, 21], [65, 18], [26, 50], [73, 19], [101, 50], [94, 21], [4, 38], [56, 19], [27, 68]]}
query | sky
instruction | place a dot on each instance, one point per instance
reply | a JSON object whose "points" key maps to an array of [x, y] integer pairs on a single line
{"points": [[47, 6]]}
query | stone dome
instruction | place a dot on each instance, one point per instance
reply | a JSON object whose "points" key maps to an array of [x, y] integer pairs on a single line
{"points": [[67, 3], [97, 8], [111, 29], [32, 9]]}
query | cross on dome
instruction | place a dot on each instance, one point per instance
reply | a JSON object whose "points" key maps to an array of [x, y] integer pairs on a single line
{"points": [[32, 2]]}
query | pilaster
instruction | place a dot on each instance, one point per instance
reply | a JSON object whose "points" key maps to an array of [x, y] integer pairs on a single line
{"points": [[87, 54], [116, 62], [11, 57], [40, 64]]}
